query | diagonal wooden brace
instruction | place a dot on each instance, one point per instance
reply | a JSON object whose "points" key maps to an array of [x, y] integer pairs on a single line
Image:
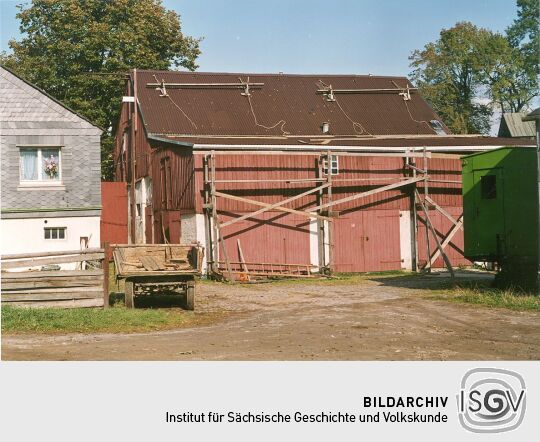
{"points": [[369, 193], [281, 209], [274, 206], [447, 240], [440, 209], [434, 233]]}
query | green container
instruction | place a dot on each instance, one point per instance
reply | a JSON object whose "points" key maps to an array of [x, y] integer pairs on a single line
{"points": [[500, 211]]}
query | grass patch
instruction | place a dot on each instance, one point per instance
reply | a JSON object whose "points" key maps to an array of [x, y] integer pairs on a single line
{"points": [[491, 297], [87, 320]]}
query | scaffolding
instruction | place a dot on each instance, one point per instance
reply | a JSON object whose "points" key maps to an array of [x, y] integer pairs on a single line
{"points": [[219, 264]]}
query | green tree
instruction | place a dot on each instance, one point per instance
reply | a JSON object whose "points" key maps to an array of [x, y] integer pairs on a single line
{"points": [[520, 84], [508, 76], [524, 32], [80, 50], [447, 73]]}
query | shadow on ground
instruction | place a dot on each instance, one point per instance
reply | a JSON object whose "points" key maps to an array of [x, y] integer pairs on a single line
{"points": [[438, 280], [164, 300]]}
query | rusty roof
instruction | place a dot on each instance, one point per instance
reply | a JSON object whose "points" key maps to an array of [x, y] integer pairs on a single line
{"points": [[282, 104]]}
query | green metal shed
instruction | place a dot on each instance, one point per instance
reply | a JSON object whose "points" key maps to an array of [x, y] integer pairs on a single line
{"points": [[500, 210]]}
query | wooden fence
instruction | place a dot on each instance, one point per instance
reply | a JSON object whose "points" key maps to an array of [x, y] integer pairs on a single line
{"points": [[57, 288]]}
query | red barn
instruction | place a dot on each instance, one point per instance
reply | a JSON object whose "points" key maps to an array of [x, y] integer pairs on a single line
{"points": [[292, 173]]}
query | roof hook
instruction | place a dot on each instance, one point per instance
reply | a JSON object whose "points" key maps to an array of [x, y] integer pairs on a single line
{"points": [[161, 88], [406, 94], [246, 92], [329, 94]]}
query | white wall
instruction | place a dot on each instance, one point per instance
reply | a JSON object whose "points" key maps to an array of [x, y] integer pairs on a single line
{"points": [[405, 239], [192, 231], [26, 235], [314, 244]]}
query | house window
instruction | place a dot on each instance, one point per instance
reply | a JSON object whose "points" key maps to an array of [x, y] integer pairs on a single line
{"points": [[54, 232], [488, 187], [334, 165], [40, 165]]}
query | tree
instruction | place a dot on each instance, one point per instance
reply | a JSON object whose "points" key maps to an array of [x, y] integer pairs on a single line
{"points": [[469, 65], [524, 32], [447, 73], [80, 50], [509, 78], [520, 85]]}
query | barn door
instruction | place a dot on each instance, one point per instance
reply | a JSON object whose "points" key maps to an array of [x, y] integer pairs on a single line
{"points": [[381, 244], [348, 239], [366, 241]]}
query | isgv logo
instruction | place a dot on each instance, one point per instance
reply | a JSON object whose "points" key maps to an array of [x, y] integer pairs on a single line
{"points": [[491, 400]]}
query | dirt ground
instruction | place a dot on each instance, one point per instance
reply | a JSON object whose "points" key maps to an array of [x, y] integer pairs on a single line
{"points": [[380, 318]]}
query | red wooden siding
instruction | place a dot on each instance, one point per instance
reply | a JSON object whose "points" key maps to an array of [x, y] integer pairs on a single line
{"points": [[271, 167], [366, 241], [113, 228], [271, 237]]}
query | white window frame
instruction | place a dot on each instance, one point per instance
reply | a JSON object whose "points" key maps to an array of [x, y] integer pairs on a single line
{"points": [[334, 165], [58, 228], [41, 181]]}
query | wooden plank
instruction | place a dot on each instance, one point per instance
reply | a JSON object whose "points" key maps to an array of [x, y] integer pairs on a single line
{"points": [[368, 193], [46, 283], [58, 253], [150, 263], [275, 205], [435, 236], [55, 260], [440, 209], [105, 264], [38, 296], [281, 209], [95, 288], [241, 254], [73, 303], [7, 276], [447, 240]]}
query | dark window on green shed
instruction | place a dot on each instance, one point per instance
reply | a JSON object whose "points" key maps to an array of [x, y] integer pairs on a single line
{"points": [[488, 185]]}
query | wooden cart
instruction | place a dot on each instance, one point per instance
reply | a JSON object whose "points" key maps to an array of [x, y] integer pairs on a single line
{"points": [[155, 268]]}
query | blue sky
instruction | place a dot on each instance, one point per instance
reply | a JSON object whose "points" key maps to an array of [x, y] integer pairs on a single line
{"points": [[314, 36]]}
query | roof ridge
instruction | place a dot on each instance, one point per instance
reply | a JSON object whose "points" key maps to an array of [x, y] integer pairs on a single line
{"points": [[270, 74]]}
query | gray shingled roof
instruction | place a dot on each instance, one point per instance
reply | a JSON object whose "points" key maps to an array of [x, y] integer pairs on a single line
{"points": [[23, 103]]}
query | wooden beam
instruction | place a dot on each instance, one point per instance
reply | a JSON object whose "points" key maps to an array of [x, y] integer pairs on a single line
{"points": [[313, 153], [55, 274], [43, 254], [447, 239], [275, 205], [281, 209], [434, 233], [34, 262], [444, 212], [368, 193], [105, 264]]}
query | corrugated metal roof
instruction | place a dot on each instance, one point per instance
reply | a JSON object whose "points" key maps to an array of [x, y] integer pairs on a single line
{"points": [[512, 125], [286, 103]]}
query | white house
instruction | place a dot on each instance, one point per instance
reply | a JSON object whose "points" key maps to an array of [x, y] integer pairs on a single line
{"points": [[50, 172]]}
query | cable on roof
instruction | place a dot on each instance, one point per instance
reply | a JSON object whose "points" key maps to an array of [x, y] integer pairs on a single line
{"points": [[247, 94], [407, 97], [355, 124], [163, 93]]}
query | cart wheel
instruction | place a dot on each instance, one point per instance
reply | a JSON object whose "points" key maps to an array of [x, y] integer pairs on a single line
{"points": [[129, 293], [190, 297]]}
